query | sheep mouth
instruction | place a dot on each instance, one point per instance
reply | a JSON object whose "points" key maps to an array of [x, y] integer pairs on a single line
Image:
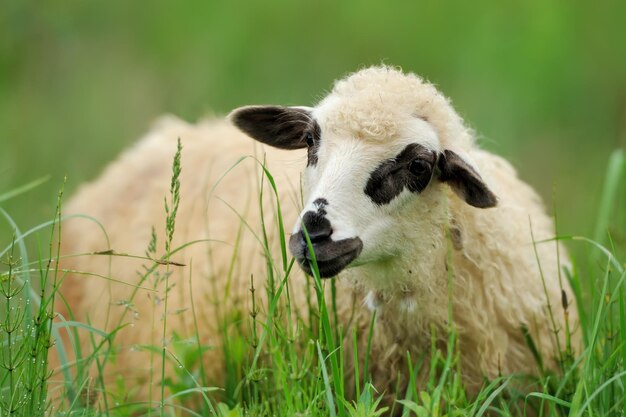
{"points": [[331, 257]]}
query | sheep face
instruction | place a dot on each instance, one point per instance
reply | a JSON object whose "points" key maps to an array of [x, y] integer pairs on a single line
{"points": [[365, 180], [360, 192]]}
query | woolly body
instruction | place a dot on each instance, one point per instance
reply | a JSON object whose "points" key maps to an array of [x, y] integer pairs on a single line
{"points": [[412, 248]]}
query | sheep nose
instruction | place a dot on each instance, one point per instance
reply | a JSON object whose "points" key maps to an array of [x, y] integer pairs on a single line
{"points": [[317, 226]]}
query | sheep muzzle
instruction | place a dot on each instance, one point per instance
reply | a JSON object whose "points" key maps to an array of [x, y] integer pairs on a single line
{"points": [[331, 256]]}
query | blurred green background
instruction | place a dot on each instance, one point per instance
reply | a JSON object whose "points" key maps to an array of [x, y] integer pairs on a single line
{"points": [[543, 82]]}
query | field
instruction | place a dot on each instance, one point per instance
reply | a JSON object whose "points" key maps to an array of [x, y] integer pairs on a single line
{"points": [[543, 83]]}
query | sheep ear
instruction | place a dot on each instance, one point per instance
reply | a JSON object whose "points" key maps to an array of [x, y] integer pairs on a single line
{"points": [[465, 181], [281, 127]]}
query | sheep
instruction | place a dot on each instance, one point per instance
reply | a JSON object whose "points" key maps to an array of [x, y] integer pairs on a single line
{"points": [[415, 222]]}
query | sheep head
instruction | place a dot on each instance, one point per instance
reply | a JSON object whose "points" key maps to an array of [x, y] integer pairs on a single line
{"points": [[380, 147]]}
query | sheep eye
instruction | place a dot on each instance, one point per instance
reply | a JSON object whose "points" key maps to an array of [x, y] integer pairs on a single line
{"points": [[419, 167], [308, 137]]}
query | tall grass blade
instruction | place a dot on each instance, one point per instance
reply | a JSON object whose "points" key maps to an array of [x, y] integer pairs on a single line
{"points": [[614, 175], [23, 189]]}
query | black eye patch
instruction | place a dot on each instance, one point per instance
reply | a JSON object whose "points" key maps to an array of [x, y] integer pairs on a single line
{"points": [[411, 169]]}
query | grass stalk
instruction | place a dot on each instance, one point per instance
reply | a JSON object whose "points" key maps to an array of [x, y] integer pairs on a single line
{"points": [[171, 210], [292, 365]]}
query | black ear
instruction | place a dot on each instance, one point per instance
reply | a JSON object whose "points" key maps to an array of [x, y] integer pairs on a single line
{"points": [[281, 127], [465, 181]]}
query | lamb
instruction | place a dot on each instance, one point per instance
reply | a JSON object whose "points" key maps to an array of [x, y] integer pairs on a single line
{"points": [[400, 206]]}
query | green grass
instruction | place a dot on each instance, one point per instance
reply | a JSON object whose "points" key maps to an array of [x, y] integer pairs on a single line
{"points": [[283, 364], [543, 82]]}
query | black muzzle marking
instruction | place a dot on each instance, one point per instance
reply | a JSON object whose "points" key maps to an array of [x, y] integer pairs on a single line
{"points": [[331, 256]]}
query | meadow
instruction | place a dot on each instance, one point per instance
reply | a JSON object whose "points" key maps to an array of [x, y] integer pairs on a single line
{"points": [[543, 83], [279, 363]]}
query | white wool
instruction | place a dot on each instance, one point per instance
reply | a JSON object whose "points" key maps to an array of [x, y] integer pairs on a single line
{"points": [[403, 273]]}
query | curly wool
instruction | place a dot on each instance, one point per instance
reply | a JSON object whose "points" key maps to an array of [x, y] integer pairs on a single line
{"points": [[498, 272], [374, 100]]}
